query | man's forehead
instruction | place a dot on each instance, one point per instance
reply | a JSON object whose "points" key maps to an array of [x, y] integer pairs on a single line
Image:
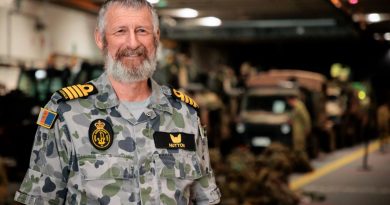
{"points": [[115, 8], [116, 12]]}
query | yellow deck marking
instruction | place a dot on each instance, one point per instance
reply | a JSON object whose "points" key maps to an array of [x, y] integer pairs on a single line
{"points": [[309, 177]]}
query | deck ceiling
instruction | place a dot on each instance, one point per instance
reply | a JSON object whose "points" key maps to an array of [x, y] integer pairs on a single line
{"points": [[266, 19]]}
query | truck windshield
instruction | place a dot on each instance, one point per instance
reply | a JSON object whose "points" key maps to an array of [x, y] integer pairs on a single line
{"points": [[275, 104]]}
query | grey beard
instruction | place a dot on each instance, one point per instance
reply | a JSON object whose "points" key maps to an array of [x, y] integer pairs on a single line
{"points": [[123, 74]]}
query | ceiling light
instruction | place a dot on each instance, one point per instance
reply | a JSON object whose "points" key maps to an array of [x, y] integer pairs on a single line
{"points": [[186, 13], [387, 36], [153, 1], [209, 21], [40, 74], [373, 18], [181, 13], [353, 2]]}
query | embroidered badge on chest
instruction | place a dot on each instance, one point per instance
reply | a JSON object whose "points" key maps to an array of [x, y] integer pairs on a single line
{"points": [[101, 135], [175, 140]]}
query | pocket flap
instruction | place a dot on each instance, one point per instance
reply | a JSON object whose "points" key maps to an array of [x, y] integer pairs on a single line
{"points": [[175, 165], [94, 167]]}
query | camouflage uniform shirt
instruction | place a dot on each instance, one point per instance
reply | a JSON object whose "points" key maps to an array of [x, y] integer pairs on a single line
{"points": [[65, 168]]}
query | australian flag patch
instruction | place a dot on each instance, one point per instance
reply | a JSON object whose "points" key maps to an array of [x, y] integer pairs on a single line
{"points": [[46, 118]]}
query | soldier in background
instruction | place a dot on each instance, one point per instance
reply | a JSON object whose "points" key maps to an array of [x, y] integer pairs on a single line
{"points": [[301, 130], [383, 123]]}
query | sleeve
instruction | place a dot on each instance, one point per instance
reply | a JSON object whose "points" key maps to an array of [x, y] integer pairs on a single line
{"points": [[205, 190], [46, 179]]}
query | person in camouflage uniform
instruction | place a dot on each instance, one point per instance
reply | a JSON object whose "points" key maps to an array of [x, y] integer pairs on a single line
{"points": [[122, 138]]}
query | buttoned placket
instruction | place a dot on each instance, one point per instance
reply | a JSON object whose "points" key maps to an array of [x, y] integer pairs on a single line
{"points": [[151, 180], [159, 105]]}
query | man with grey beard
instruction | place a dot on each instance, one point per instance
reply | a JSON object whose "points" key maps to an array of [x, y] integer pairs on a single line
{"points": [[122, 138]]}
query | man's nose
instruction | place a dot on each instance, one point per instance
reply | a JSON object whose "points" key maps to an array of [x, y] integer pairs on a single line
{"points": [[132, 40]]}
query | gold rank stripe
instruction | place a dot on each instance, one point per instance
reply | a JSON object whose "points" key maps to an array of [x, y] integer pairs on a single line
{"points": [[183, 97], [68, 93], [63, 93], [76, 91], [85, 92], [191, 102]]}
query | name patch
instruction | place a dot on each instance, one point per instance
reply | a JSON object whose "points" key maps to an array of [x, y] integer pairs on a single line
{"points": [[174, 140]]}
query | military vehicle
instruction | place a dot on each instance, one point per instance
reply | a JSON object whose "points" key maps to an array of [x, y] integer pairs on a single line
{"points": [[265, 115]]}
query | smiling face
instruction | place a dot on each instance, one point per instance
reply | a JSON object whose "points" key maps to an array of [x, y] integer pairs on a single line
{"points": [[129, 42]]}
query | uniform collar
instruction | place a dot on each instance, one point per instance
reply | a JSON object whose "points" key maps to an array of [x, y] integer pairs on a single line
{"points": [[159, 100], [107, 98]]}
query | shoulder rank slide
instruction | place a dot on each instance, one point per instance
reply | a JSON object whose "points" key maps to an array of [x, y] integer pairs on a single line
{"points": [[46, 118], [76, 91], [183, 97]]}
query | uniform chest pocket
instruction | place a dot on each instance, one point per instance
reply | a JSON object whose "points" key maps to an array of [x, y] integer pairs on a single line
{"points": [[93, 167], [178, 165], [111, 177]]}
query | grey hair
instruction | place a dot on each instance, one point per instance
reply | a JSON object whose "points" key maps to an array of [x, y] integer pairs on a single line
{"points": [[101, 20]]}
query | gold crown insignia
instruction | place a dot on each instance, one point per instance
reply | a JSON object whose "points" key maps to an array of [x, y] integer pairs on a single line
{"points": [[99, 125], [176, 139]]}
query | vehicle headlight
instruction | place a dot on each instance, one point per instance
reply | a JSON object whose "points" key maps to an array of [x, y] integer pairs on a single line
{"points": [[240, 128], [285, 128]]}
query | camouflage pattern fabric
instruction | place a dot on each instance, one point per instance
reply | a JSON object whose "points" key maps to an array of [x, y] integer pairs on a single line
{"points": [[66, 169]]}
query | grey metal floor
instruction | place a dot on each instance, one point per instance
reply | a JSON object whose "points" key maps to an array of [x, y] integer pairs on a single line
{"points": [[351, 184]]}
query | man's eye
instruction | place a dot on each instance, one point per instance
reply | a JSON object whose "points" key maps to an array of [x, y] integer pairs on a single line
{"points": [[141, 30], [120, 31]]}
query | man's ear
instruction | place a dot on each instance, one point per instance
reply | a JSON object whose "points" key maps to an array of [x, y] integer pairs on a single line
{"points": [[99, 39], [158, 34], [157, 38]]}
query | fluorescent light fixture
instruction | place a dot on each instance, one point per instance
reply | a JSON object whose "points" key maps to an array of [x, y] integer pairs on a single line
{"points": [[209, 21], [373, 17], [186, 13], [153, 1], [180, 13]]}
